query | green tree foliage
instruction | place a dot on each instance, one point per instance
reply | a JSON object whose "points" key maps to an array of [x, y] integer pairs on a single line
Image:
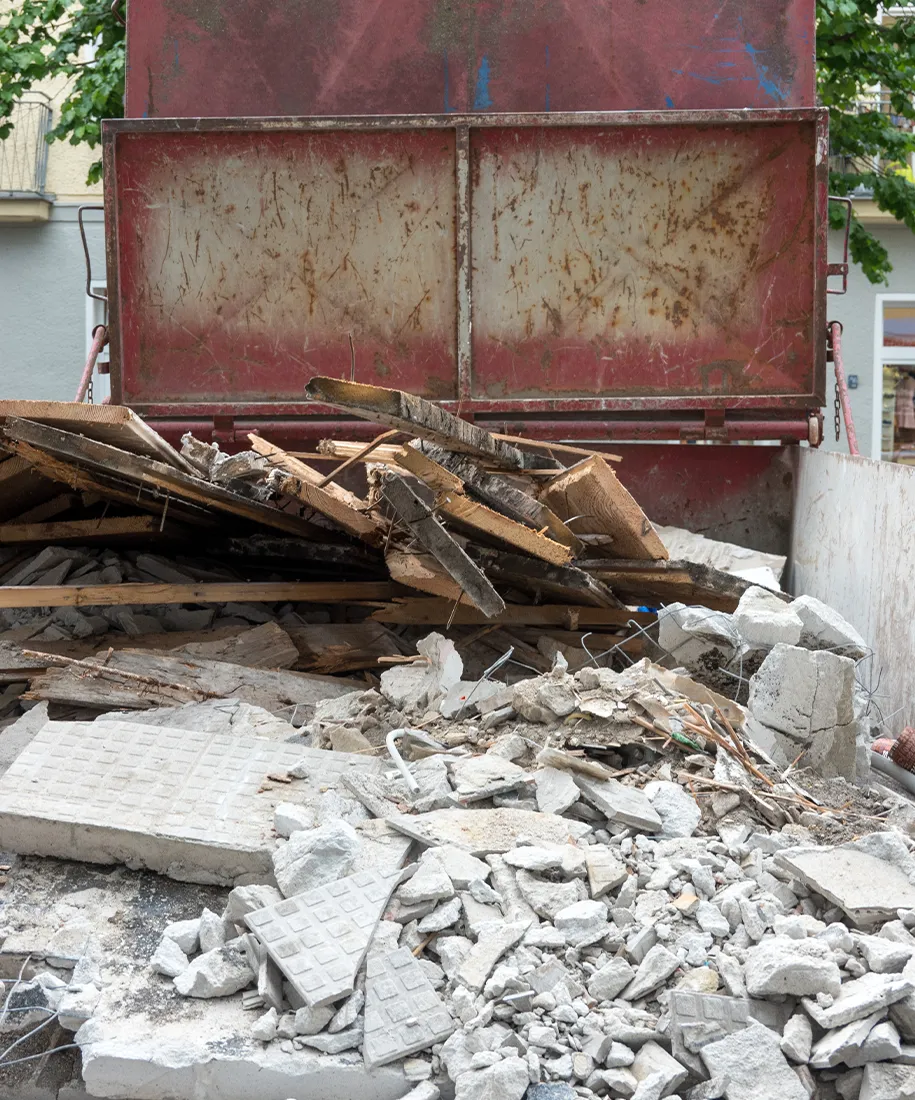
{"points": [[862, 60], [81, 41], [857, 54]]}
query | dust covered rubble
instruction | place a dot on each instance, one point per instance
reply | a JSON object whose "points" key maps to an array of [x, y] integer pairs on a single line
{"points": [[543, 928]]}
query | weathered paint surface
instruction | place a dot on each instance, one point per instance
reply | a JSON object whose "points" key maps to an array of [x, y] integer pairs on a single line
{"points": [[247, 261], [335, 57], [518, 265], [853, 546], [642, 261]]}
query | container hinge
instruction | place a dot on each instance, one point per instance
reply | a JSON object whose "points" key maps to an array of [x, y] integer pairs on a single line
{"points": [[223, 429], [711, 429]]}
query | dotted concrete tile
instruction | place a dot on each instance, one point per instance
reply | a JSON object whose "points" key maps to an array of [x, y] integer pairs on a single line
{"points": [[403, 1013], [712, 1015], [169, 799], [319, 939]]}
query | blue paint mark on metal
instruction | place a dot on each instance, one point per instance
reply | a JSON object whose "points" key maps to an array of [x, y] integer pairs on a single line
{"points": [[668, 102], [449, 110], [482, 100], [546, 51], [765, 82]]}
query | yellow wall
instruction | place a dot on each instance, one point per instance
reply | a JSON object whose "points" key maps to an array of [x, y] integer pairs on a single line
{"points": [[68, 164]]}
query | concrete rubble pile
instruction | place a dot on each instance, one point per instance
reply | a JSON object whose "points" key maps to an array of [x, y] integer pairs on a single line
{"points": [[589, 884]]}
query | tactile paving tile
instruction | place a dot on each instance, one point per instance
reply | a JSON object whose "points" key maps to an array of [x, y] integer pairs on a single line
{"points": [[319, 939], [721, 1015], [135, 782], [403, 1013]]}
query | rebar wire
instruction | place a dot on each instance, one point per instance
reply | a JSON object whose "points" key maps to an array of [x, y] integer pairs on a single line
{"points": [[494, 667], [28, 1035]]}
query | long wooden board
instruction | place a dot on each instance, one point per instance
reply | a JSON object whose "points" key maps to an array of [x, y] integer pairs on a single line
{"points": [[592, 493], [79, 451], [84, 530], [415, 415], [113, 424], [488, 522], [110, 595], [433, 612]]}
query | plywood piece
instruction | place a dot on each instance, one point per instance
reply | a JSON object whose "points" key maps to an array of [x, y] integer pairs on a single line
{"points": [[432, 612], [429, 533], [592, 492], [418, 417], [113, 424], [110, 595], [76, 450]]}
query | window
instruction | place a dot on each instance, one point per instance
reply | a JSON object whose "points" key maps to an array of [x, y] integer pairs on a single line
{"points": [[893, 434]]}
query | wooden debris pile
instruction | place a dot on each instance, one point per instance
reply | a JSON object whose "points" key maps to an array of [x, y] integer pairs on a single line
{"points": [[109, 535]]}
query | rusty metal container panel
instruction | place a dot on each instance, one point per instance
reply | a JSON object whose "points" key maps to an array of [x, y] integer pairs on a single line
{"points": [[645, 262], [245, 263], [222, 58], [520, 267]]}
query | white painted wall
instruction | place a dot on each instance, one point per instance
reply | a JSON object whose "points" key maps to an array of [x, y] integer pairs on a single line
{"points": [[853, 546]]}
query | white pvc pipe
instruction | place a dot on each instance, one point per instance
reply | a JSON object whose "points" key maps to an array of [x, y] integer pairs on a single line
{"points": [[885, 765]]}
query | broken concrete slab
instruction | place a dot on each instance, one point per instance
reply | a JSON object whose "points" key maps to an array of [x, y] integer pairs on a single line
{"points": [[485, 832], [217, 973], [320, 938], [825, 628], [807, 699], [695, 636], [884, 1081], [605, 871], [754, 1065], [403, 1013], [479, 962], [656, 967], [868, 889], [186, 803], [678, 810], [556, 790], [859, 998], [479, 777], [619, 803]]}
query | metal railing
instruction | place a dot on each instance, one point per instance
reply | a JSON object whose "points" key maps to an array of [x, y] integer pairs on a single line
{"points": [[24, 154], [877, 102]]}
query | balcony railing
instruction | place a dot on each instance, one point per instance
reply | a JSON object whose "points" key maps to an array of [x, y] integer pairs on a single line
{"points": [[24, 154], [879, 102]]}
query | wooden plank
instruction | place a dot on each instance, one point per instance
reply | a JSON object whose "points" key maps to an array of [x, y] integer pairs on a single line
{"points": [[426, 529], [477, 516], [139, 595], [113, 424], [432, 612], [591, 492], [560, 448], [138, 680], [423, 572], [348, 519], [292, 464], [83, 530], [143, 471], [659, 583], [63, 502], [445, 471], [416, 416], [553, 583]]}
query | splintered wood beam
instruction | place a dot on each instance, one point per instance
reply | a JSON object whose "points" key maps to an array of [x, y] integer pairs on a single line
{"points": [[293, 464], [353, 522], [494, 490], [423, 572], [592, 493], [111, 595], [493, 524], [81, 530], [416, 416], [558, 583], [560, 448], [429, 533], [102, 459], [432, 612], [361, 456]]}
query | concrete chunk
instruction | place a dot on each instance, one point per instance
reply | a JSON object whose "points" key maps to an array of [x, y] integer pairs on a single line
{"points": [[763, 619], [824, 628], [883, 1081], [316, 857], [859, 998], [486, 952], [801, 968], [168, 959], [217, 973], [754, 1065], [654, 970], [556, 790], [605, 870], [485, 832], [693, 635], [620, 803], [607, 983]]}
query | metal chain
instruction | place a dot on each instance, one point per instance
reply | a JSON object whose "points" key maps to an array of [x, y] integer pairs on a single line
{"points": [[838, 415], [89, 398]]}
